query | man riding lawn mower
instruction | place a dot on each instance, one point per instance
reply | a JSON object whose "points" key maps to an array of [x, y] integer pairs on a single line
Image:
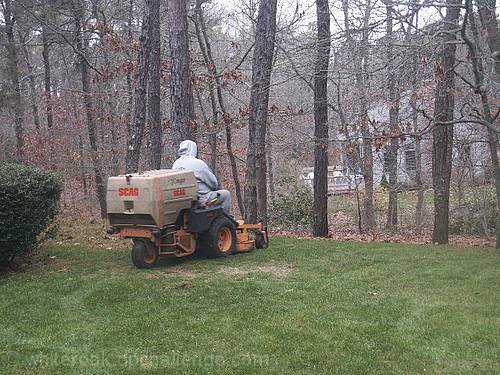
{"points": [[175, 212]]}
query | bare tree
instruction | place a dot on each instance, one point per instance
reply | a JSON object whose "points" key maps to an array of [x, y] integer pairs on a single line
{"points": [[181, 92], [480, 87], [270, 166], [393, 104], [154, 88], [414, 77], [130, 96], [47, 78], [32, 80], [205, 45], [418, 153], [490, 23], [256, 173], [443, 132], [139, 117], [212, 129], [13, 69], [361, 63], [81, 49], [320, 223], [108, 109]]}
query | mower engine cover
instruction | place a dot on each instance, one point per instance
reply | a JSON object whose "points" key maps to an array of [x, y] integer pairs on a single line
{"points": [[151, 198]]}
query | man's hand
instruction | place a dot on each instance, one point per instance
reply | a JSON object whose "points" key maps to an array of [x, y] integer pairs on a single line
{"points": [[212, 201]]}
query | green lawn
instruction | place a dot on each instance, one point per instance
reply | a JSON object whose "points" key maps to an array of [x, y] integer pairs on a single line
{"points": [[302, 306]]}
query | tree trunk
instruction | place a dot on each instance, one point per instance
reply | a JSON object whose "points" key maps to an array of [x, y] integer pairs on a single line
{"points": [[419, 207], [139, 116], [130, 96], [418, 148], [212, 141], [181, 92], [108, 115], [362, 83], [208, 130], [81, 48], [493, 145], [232, 160], [32, 83], [368, 208], [490, 23], [213, 128], [270, 169], [154, 89], [13, 69], [320, 222], [256, 168], [479, 80], [443, 133], [392, 149], [47, 78], [361, 62], [210, 65], [82, 166], [111, 124]]}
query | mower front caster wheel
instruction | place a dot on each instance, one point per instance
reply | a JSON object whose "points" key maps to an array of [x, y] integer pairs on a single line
{"points": [[261, 241], [144, 254]]}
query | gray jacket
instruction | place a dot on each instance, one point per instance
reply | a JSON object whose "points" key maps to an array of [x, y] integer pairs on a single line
{"points": [[187, 160]]}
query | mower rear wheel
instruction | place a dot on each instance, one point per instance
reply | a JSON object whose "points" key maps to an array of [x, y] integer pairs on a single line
{"points": [[144, 254], [220, 239]]}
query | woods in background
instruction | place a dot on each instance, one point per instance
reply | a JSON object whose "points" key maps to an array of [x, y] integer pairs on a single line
{"points": [[381, 96]]}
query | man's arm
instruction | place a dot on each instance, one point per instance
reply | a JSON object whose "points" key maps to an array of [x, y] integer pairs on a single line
{"points": [[209, 178]]}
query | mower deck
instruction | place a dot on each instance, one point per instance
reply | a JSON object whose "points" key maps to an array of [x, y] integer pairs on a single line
{"points": [[186, 242]]}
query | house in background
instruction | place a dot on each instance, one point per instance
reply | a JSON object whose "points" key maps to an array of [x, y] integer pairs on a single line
{"points": [[406, 159], [347, 177], [340, 180]]}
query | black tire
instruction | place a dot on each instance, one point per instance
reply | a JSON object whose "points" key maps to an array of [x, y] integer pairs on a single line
{"points": [[144, 254], [260, 241], [219, 240]]}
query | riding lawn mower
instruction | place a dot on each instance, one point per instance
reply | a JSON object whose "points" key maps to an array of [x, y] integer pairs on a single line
{"points": [[160, 211]]}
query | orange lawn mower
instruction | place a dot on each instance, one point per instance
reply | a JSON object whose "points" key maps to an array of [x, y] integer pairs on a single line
{"points": [[159, 210]]}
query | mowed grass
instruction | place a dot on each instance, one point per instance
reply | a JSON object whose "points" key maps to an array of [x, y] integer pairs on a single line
{"points": [[301, 306]]}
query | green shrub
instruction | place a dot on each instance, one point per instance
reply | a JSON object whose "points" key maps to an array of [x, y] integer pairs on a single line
{"points": [[29, 200], [293, 204], [476, 213]]}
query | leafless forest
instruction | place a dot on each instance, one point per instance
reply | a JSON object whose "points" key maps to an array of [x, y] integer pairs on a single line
{"points": [[336, 118]]}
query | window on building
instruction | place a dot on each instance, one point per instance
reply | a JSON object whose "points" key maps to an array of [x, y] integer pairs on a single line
{"points": [[410, 160]]}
